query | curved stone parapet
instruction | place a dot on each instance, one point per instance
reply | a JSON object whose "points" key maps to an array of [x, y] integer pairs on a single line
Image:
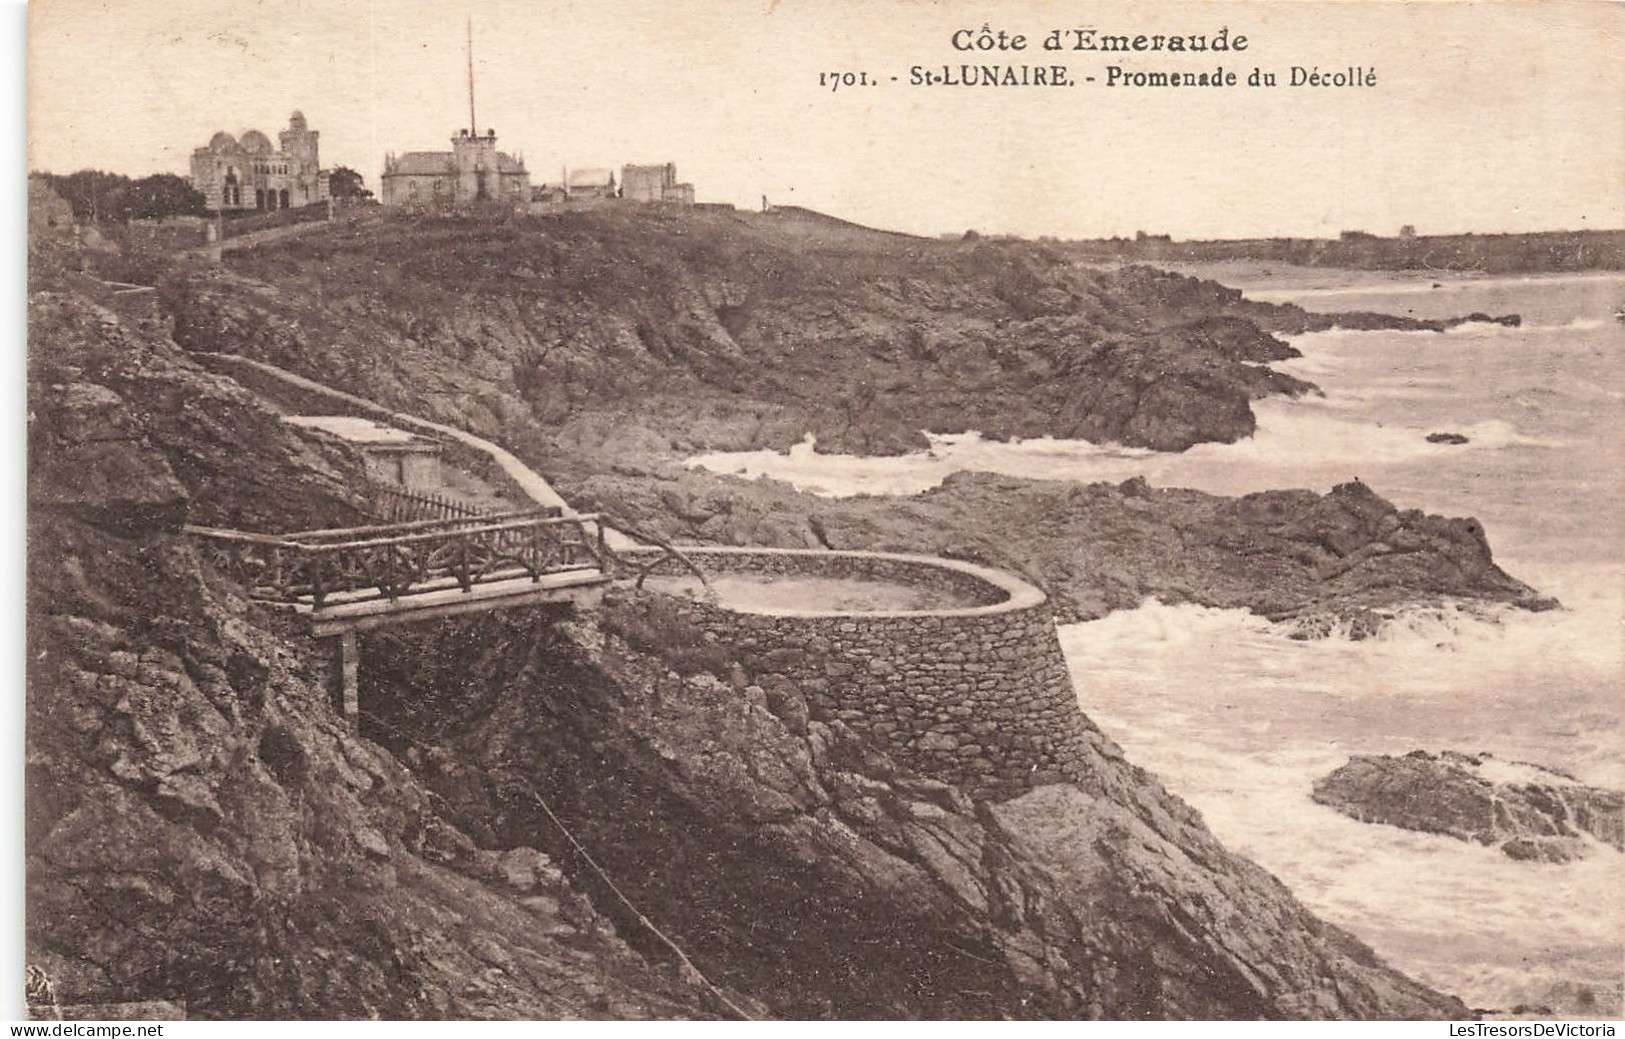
{"points": [[976, 695]]}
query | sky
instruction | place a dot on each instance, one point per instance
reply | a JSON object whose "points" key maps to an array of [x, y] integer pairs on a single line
{"points": [[1485, 117]]}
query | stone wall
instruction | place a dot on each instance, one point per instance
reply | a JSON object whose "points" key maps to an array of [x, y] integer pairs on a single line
{"points": [[978, 696]]}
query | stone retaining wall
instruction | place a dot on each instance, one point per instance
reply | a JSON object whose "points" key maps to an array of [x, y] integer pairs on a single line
{"points": [[978, 696]]}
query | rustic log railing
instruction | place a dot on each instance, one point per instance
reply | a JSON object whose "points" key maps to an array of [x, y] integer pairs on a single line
{"points": [[323, 568], [667, 551]]}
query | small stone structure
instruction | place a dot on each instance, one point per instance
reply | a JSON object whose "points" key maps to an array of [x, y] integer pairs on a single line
{"points": [[979, 696], [655, 184], [392, 456]]}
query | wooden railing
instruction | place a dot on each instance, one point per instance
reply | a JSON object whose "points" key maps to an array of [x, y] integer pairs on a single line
{"points": [[666, 550], [393, 504], [324, 568]]}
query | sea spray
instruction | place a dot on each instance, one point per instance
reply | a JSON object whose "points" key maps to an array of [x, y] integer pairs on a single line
{"points": [[1240, 719]]}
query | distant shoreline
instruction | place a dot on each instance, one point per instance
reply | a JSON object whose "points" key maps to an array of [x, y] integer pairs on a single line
{"points": [[1532, 253], [1274, 281]]}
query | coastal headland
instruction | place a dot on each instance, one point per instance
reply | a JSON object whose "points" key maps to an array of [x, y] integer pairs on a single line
{"points": [[432, 862]]}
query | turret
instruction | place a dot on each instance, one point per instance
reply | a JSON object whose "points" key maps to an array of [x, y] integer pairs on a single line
{"points": [[301, 143]]}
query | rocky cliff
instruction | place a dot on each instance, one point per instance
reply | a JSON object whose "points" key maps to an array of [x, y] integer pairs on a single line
{"points": [[1529, 812], [605, 347], [799, 865], [202, 828], [718, 331]]}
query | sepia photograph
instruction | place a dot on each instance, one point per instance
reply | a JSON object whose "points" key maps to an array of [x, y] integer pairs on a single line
{"points": [[763, 510]]}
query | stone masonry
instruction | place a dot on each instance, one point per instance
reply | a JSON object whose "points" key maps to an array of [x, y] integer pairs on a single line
{"points": [[978, 696]]}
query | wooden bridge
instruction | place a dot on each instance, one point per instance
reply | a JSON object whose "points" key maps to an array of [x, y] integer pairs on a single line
{"points": [[362, 577], [430, 555], [345, 581]]}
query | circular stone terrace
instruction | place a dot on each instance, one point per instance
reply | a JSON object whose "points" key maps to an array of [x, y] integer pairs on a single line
{"points": [[953, 668], [813, 583]]}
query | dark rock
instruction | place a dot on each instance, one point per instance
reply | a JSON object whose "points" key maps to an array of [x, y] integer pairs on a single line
{"points": [[188, 779], [1367, 321], [201, 829], [769, 850], [1531, 813], [1446, 438], [1544, 849], [1344, 560], [626, 338], [790, 708]]}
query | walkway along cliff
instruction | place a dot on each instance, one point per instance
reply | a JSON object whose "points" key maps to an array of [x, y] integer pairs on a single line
{"points": [[205, 827], [978, 695], [910, 718]]}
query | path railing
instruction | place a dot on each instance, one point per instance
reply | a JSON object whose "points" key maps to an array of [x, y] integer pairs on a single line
{"points": [[399, 505], [325, 568], [667, 550]]}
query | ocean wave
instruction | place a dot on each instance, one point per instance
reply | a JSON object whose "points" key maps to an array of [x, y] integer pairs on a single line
{"points": [[1240, 721], [1423, 286], [1298, 443], [1480, 328]]}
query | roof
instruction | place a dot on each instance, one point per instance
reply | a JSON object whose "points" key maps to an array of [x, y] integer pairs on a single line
{"points": [[358, 430], [591, 178], [255, 143], [440, 164], [420, 162]]}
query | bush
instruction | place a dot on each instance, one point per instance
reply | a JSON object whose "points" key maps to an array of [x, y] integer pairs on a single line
{"points": [[651, 624]]}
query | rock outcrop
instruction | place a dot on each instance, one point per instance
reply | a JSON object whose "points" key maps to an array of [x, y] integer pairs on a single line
{"points": [[607, 347], [201, 829], [1529, 812], [1345, 560], [714, 332], [799, 864], [204, 831]]}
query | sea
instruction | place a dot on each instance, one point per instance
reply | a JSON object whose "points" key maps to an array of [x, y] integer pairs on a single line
{"points": [[1239, 720]]}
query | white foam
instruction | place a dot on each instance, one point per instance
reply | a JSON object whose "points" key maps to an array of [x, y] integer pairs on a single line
{"points": [[1240, 722], [1299, 443], [1444, 283], [1519, 773]]}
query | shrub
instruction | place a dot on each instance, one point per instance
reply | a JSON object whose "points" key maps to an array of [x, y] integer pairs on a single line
{"points": [[651, 624]]}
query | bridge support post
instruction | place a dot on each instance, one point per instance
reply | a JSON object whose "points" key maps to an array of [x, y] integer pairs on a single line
{"points": [[347, 684]]}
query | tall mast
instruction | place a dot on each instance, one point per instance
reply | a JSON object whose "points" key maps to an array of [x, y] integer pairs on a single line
{"points": [[473, 127]]}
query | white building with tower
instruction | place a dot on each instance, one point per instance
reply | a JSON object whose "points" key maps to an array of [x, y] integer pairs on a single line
{"points": [[473, 171]]}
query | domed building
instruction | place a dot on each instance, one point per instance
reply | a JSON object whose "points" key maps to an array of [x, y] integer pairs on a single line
{"points": [[248, 172]]}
